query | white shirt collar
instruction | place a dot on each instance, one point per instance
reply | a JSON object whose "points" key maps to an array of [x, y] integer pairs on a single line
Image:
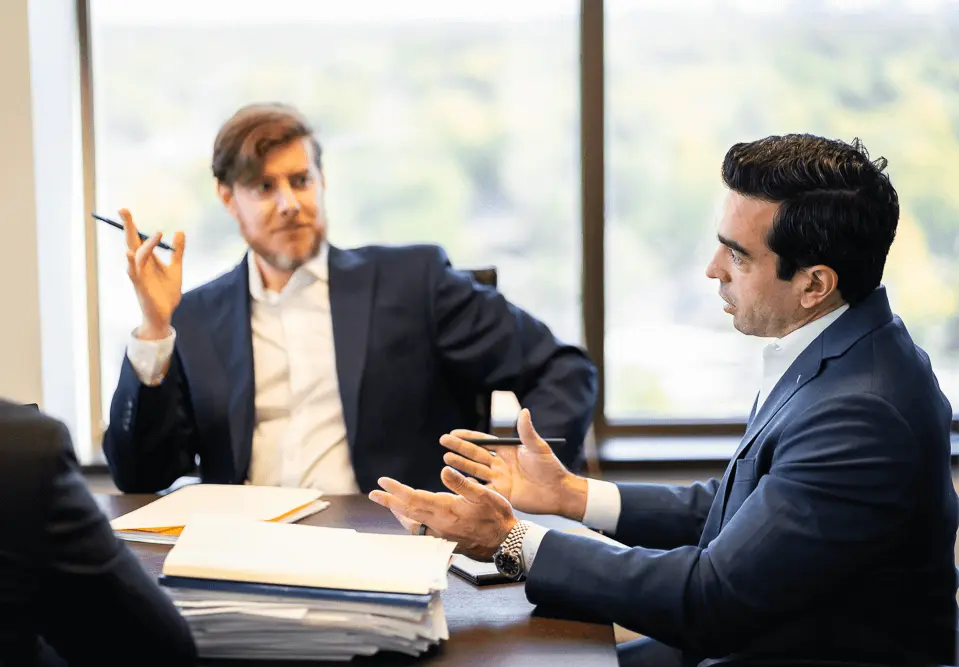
{"points": [[780, 354], [315, 269], [793, 343]]}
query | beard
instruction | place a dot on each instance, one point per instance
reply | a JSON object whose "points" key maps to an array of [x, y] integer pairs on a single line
{"points": [[286, 262]]}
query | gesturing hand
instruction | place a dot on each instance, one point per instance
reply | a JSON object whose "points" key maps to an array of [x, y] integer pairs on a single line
{"points": [[475, 517], [529, 476], [158, 285]]}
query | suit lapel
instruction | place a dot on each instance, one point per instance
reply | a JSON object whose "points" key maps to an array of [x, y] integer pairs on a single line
{"points": [[855, 323], [231, 331], [352, 280], [801, 371], [752, 413]]}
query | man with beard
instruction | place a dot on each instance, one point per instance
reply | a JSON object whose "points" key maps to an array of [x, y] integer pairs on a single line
{"points": [[310, 365]]}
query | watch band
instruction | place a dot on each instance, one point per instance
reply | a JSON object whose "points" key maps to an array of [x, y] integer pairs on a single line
{"points": [[508, 559], [514, 540]]}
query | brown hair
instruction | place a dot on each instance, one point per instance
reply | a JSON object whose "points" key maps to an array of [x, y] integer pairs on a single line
{"points": [[244, 140]]}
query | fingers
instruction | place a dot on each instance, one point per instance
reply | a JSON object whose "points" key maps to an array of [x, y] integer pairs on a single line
{"points": [[469, 488], [145, 252], [132, 265], [528, 434], [469, 467], [390, 502], [407, 523], [395, 488], [464, 433], [401, 499], [179, 245], [467, 449], [129, 230]]}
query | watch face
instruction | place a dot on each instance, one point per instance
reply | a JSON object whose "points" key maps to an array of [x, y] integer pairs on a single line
{"points": [[507, 564]]}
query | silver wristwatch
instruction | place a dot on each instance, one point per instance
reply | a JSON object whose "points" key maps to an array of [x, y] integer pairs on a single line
{"points": [[509, 557]]}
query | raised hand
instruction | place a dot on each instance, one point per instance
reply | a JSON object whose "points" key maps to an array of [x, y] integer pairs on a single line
{"points": [[529, 476], [158, 286]]}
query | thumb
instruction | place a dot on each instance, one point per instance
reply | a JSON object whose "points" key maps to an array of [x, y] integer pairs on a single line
{"points": [[527, 433]]}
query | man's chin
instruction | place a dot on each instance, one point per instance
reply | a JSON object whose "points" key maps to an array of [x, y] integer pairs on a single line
{"points": [[289, 261]]}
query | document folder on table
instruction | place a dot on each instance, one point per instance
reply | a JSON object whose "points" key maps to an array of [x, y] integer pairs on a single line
{"points": [[162, 520], [271, 591]]}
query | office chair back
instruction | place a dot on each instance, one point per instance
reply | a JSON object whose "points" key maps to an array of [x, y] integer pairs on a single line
{"points": [[484, 401]]}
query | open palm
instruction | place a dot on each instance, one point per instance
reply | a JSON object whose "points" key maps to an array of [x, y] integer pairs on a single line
{"points": [[528, 475]]}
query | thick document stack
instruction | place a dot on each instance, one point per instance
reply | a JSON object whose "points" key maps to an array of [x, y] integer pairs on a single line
{"points": [[267, 591], [162, 520]]}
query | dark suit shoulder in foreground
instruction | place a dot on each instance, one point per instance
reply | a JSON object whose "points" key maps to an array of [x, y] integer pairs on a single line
{"points": [[70, 593]]}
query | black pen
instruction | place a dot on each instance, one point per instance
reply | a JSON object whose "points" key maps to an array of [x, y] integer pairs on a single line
{"points": [[114, 223], [496, 442]]}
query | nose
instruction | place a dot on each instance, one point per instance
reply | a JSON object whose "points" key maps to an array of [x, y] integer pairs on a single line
{"points": [[286, 199], [715, 270]]}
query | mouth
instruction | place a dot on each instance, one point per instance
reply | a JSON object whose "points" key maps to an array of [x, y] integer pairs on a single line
{"points": [[291, 229]]}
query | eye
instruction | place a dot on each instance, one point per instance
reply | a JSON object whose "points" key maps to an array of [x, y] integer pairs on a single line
{"points": [[734, 256], [301, 180], [263, 187]]}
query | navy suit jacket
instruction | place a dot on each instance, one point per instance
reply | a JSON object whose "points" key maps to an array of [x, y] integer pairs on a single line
{"points": [[70, 593], [416, 342], [830, 536]]}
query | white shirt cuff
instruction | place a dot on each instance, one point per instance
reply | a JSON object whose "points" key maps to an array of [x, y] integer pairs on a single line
{"points": [[531, 541], [150, 358], [603, 505]]}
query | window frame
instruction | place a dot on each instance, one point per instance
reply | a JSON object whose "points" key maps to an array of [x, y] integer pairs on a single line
{"points": [[593, 205]]}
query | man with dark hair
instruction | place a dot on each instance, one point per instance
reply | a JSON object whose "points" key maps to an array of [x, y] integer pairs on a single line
{"points": [[70, 593], [831, 534], [310, 365]]}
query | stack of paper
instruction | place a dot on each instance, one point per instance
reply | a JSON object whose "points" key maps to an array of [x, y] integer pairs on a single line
{"points": [[283, 592], [162, 520]]}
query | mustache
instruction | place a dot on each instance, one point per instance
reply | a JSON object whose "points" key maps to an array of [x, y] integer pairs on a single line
{"points": [[290, 226]]}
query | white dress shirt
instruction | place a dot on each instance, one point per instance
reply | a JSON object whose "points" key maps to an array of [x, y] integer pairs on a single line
{"points": [[603, 500], [299, 434]]}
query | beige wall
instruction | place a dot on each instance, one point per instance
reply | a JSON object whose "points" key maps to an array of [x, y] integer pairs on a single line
{"points": [[20, 369]]}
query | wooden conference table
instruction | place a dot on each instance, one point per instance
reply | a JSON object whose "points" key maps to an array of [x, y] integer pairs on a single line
{"points": [[489, 625]]}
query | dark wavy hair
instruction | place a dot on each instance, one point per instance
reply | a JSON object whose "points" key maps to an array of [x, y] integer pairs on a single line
{"points": [[836, 206]]}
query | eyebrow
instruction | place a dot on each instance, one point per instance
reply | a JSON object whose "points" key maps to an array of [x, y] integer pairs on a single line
{"points": [[729, 243], [302, 172]]}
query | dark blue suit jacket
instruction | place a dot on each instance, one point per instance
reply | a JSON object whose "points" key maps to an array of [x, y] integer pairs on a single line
{"points": [[830, 535], [415, 342], [70, 593]]}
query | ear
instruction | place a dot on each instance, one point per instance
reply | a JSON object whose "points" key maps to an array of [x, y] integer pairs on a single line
{"points": [[821, 283], [225, 194]]}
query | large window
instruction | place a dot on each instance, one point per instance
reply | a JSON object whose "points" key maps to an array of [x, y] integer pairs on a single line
{"points": [[686, 80], [443, 122], [468, 125]]}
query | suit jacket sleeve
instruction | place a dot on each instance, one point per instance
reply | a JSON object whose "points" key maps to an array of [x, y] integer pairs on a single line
{"points": [[660, 516], [839, 490], [98, 599], [495, 345], [150, 440]]}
